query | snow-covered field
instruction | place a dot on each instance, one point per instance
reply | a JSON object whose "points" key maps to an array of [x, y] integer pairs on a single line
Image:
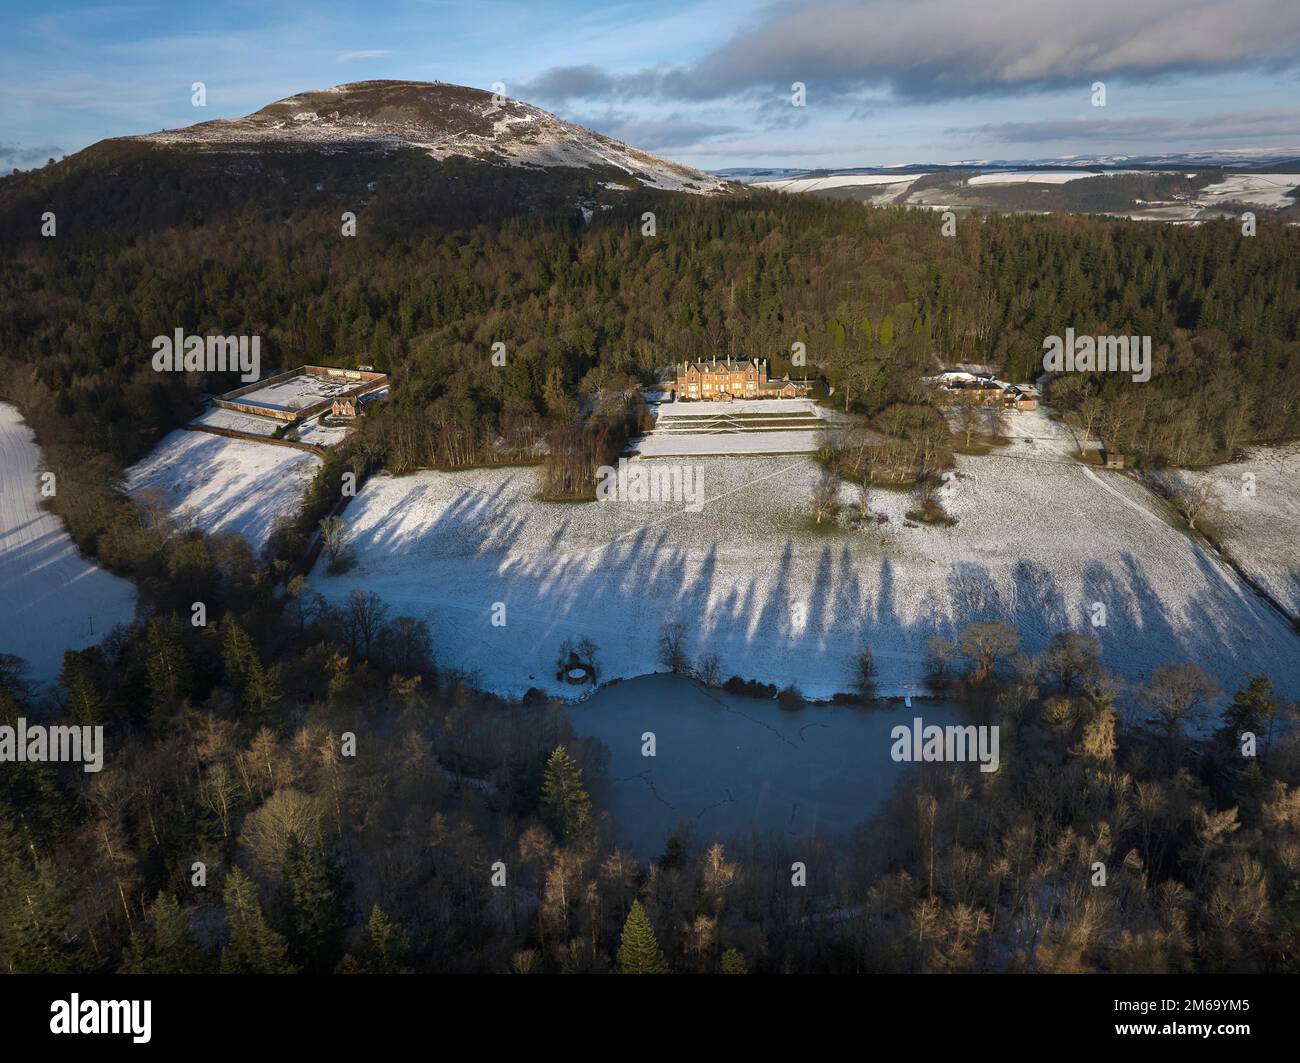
{"points": [[1260, 496], [1041, 539], [225, 485], [1041, 177], [892, 183], [51, 598], [1259, 189]]}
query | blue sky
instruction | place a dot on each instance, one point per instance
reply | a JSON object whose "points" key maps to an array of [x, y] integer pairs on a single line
{"points": [[704, 81]]}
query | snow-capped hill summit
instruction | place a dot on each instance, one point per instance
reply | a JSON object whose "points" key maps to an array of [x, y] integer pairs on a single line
{"points": [[441, 119]]}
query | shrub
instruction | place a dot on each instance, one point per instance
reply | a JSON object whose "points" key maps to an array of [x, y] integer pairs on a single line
{"points": [[750, 688], [790, 698]]}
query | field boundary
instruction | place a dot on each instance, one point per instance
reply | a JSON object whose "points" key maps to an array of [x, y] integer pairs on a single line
{"points": [[252, 437]]}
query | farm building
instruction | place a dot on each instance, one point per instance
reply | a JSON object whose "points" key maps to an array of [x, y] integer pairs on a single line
{"points": [[986, 388], [1020, 398], [302, 393]]}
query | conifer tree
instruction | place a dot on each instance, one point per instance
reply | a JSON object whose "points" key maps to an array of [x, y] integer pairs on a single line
{"points": [[318, 898], [638, 949], [259, 690], [249, 678], [167, 668], [382, 950], [565, 802], [236, 650], [78, 680], [165, 944], [31, 799], [254, 948], [36, 923], [1252, 707], [733, 962]]}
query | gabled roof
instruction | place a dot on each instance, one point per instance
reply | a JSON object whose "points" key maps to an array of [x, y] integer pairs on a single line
{"points": [[727, 364]]}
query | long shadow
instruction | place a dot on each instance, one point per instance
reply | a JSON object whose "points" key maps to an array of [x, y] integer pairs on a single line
{"points": [[618, 579]]}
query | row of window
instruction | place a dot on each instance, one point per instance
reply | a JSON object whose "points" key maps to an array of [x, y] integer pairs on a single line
{"points": [[751, 386]]}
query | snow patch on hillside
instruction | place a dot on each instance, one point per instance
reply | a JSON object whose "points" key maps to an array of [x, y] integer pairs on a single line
{"points": [[1260, 496], [1270, 190], [225, 485], [444, 121]]}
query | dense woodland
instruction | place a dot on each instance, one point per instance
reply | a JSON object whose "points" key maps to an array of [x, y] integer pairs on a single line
{"points": [[451, 258], [226, 741], [228, 747]]}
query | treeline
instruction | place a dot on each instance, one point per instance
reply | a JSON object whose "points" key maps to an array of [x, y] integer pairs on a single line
{"points": [[905, 443]]}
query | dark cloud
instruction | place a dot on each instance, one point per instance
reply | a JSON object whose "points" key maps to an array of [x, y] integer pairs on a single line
{"points": [[563, 83], [1236, 125], [652, 134], [26, 156], [560, 84], [946, 49]]}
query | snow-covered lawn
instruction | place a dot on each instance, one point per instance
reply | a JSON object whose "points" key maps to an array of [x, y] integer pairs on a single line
{"points": [[1260, 496], [742, 426], [738, 408], [225, 485], [1041, 539], [696, 444], [52, 598]]}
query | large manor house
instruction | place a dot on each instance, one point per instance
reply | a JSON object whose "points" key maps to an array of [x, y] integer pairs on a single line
{"points": [[732, 378]]}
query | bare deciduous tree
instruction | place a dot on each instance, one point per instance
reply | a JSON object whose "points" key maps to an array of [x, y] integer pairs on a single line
{"points": [[984, 644], [970, 417], [825, 496], [1178, 694], [363, 619], [672, 646], [1198, 504], [336, 539], [709, 670], [1069, 658]]}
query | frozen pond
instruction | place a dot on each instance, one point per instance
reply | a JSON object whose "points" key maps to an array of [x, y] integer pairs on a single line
{"points": [[732, 766], [52, 598]]}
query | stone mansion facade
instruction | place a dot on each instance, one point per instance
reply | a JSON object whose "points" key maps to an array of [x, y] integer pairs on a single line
{"points": [[733, 378]]}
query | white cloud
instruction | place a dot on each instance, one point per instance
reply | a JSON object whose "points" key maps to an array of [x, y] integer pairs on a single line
{"points": [[949, 49]]}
